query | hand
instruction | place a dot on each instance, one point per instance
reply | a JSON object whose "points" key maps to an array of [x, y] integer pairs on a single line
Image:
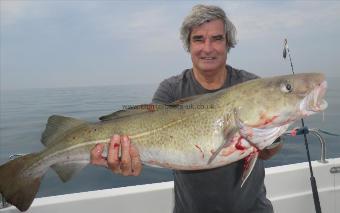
{"points": [[128, 165]]}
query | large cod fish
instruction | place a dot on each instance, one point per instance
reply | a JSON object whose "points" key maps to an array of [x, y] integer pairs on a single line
{"points": [[201, 132]]}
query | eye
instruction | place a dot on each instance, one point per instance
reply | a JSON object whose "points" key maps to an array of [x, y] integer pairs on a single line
{"points": [[197, 38], [218, 38], [286, 87]]}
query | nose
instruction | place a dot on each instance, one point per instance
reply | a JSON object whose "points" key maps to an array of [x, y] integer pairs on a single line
{"points": [[207, 46]]}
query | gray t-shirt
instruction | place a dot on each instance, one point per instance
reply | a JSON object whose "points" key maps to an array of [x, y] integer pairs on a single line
{"points": [[219, 189]]}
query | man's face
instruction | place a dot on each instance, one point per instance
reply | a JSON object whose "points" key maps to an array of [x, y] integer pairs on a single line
{"points": [[208, 47]]}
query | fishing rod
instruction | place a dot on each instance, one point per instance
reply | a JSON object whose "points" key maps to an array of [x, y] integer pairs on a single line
{"points": [[312, 178]]}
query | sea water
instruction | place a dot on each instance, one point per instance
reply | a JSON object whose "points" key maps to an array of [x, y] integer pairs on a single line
{"points": [[23, 116]]}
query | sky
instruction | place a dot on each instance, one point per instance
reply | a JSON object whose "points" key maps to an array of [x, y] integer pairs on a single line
{"points": [[59, 43]]}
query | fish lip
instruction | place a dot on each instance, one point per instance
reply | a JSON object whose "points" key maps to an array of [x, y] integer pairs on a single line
{"points": [[314, 101]]}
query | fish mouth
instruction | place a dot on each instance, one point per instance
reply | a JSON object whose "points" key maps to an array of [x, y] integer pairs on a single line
{"points": [[314, 101]]}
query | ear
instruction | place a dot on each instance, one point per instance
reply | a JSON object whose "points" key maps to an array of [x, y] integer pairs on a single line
{"points": [[188, 44]]}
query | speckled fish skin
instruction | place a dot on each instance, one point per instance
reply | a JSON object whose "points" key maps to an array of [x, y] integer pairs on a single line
{"points": [[208, 131]]}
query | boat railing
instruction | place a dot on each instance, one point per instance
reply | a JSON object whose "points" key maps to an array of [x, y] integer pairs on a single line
{"points": [[317, 134]]}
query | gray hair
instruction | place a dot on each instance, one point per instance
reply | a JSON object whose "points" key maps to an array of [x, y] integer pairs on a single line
{"points": [[205, 13]]}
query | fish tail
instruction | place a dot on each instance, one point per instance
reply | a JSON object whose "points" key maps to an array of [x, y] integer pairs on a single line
{"points": [[17, 185]]}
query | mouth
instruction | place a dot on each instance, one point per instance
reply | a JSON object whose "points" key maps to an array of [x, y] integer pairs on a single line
{"points": [[207, 58], [314, 101]]}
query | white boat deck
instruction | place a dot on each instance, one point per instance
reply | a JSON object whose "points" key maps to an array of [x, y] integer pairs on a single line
{"points": [[288, 188]]}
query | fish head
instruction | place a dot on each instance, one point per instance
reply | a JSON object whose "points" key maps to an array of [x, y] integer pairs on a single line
{"points": [[276, 101], [264, 108]]}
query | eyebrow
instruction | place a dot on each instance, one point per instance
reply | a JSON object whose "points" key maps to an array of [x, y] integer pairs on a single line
{"points": [[197, 37], [215, 37], [219, 37]]}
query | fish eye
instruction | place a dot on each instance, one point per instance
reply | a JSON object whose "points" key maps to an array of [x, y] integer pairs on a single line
{"points": [[286, 87]]}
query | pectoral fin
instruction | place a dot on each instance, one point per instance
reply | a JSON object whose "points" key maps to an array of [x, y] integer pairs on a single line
{"points": [[227, 139]]}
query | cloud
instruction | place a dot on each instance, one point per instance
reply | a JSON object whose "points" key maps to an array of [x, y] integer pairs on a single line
{"points": [[151, 29], [116, 38], [256, 19], [13, 10]]}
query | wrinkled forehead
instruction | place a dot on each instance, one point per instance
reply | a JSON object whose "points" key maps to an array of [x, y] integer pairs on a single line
{"points": [[212, 27]]}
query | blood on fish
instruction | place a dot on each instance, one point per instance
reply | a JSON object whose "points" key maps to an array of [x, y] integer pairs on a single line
{"points": [[239, 145], [198, 147], [246, 162], [265, 120], [116, 145]]}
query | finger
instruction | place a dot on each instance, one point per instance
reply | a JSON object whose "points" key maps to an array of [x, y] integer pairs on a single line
{"points": [[112, 154], [125, 164], [96, 157], [136, 163]]}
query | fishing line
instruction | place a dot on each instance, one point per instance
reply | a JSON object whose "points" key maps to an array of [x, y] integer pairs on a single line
{"points": [[312, 178]]}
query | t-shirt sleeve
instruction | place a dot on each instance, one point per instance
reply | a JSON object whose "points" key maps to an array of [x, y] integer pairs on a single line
{"points": [[164, 93], [246, 76], [251, 76]]}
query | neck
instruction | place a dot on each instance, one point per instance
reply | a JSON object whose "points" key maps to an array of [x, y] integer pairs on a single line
{"points": [[211, 81]]}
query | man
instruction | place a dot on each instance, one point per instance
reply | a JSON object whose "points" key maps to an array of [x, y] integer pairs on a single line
{"points": [[207, 35]]}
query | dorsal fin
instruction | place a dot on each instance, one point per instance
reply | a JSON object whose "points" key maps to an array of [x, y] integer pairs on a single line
{"points": [[57, 126], [143, 108]]}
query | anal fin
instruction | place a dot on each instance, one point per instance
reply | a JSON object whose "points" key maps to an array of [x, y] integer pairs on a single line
{"points": [[67, 170]]}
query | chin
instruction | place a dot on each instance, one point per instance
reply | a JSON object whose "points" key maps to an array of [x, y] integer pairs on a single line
{"points": [[210, 70]]}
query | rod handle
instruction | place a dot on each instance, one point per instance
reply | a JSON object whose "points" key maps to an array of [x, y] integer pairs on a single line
{"points": [[315, 195]]}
